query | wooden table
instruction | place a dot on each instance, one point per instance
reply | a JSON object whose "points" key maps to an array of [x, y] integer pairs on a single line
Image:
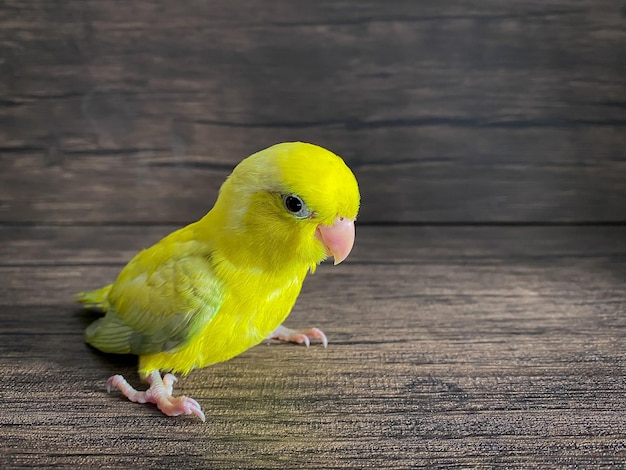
{"points": [[453, 346], [481, 318]]}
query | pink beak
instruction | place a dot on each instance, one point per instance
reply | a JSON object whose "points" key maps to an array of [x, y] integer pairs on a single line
{"points": [[337, 238]]}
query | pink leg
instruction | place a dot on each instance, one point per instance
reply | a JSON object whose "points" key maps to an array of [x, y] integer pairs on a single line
{"points": [[159, 393], [298, 336]]}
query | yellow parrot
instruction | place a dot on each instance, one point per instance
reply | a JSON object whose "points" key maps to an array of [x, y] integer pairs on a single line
{"points": [[211, 290]]}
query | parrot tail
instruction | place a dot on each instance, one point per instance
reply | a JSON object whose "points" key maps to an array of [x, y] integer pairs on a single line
{"points": [[96, 298]]}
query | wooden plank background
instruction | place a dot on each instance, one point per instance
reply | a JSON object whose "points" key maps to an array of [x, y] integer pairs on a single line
{"points": [[468, 111], [479, 322]]}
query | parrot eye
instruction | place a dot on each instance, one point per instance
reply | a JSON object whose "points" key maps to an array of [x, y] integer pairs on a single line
{"points": [[296, 206]]}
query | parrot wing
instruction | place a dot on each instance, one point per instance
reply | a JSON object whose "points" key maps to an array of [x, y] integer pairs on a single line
{"points": [[159, 310]]}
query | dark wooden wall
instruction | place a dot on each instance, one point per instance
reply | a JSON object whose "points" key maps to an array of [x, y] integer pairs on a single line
{"points": [[481, 319], [461, 111]]}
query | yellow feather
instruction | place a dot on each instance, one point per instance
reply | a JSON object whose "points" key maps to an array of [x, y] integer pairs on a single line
{"points": [[219, 286]]}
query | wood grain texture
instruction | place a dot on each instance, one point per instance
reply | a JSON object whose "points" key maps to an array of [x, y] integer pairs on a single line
{"points": [[463, 111], [485, 333], [457, 347]]}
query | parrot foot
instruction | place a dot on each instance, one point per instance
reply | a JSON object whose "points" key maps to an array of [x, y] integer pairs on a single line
{"points": [[299, 336], [159, 393]]}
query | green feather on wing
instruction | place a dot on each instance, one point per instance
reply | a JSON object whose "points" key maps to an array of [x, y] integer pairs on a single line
{"points": [[158, 311]]}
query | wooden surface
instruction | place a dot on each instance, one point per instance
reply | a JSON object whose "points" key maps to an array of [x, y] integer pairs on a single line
{"points": [[479, 322], [448, 347]]}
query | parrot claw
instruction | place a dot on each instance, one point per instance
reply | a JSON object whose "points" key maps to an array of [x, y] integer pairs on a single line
{"points": [[159, 393], [299, 336], [175, 406]]}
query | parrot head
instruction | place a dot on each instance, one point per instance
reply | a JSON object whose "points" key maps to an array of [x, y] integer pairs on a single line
{"points": [[292, 203]]}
